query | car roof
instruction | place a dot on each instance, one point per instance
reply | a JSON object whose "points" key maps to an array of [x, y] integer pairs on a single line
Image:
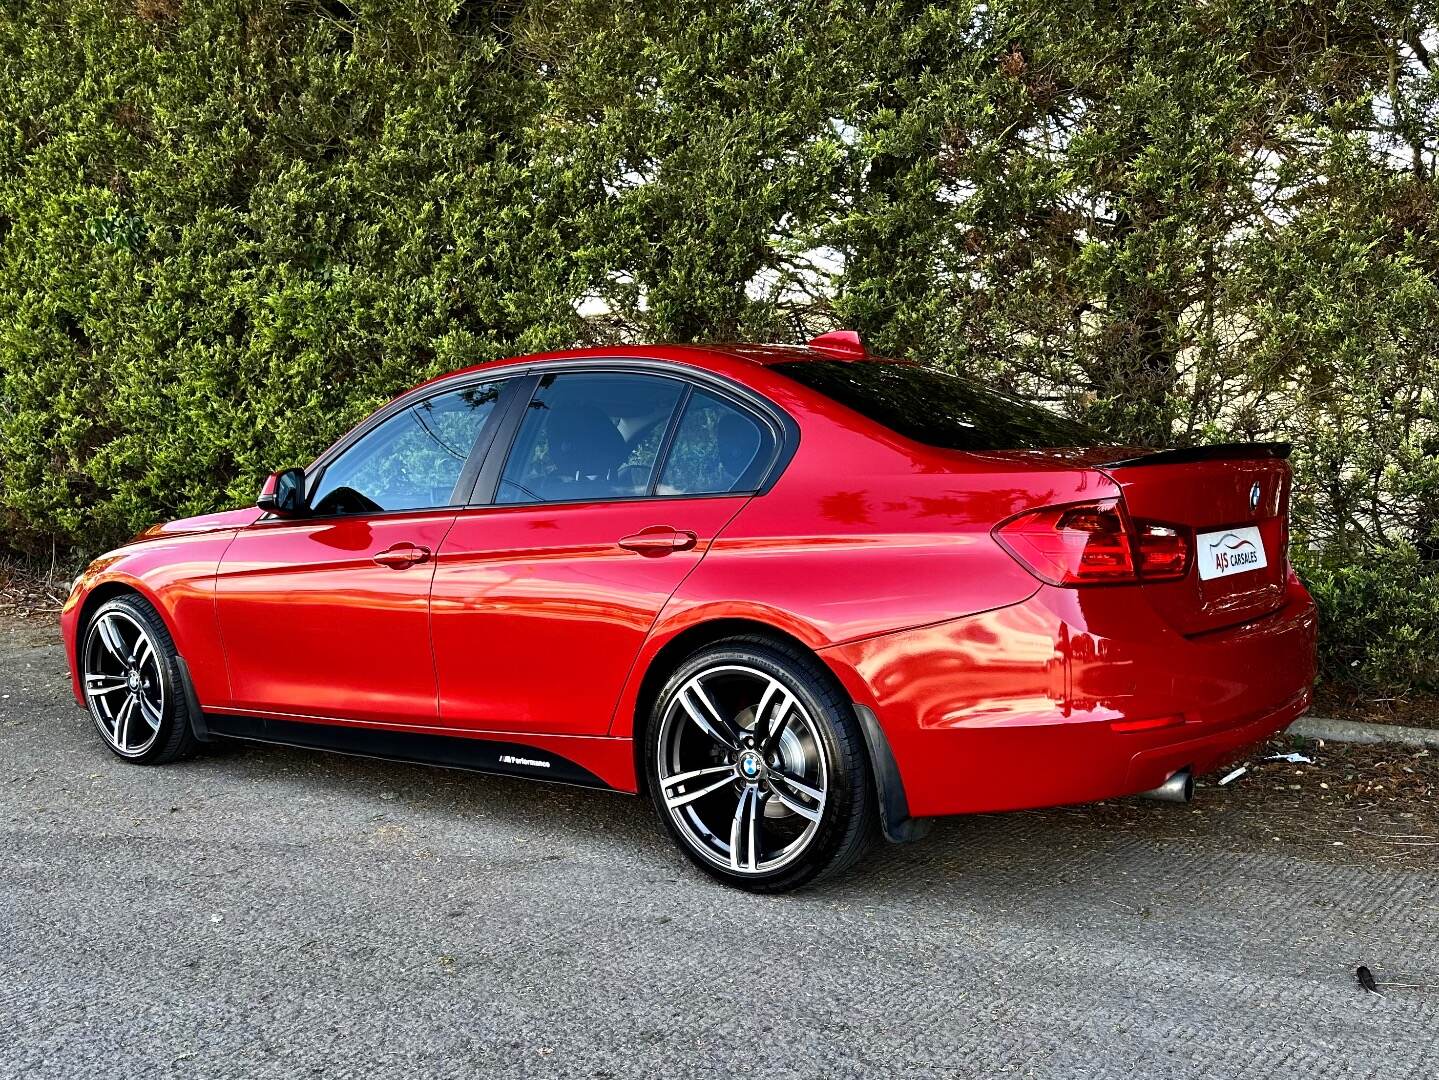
{"points": [[759, 355]]}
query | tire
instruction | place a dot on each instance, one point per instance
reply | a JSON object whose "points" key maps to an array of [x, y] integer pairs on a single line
{"points": [[757, 767], [133, 684]]}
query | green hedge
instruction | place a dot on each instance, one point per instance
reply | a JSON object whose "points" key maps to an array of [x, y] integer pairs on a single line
{"points": [[229, 229], [1380, 616]]}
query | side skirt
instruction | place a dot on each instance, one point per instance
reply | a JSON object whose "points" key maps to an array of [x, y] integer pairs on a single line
{"points": [[419, 748]]}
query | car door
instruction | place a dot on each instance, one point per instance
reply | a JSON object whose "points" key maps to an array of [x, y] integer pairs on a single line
{"points": [[614, 486], [327, 615]]}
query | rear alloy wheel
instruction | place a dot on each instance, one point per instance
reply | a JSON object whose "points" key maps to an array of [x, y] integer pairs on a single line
{"points": [[132, 683], [757, 766]]}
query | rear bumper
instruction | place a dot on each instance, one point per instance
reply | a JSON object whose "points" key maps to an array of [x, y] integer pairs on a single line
{"points": [[1073, 696]]}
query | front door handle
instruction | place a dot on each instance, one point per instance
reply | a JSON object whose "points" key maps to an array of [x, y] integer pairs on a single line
{"points": [[401, 556], [659, 540]]}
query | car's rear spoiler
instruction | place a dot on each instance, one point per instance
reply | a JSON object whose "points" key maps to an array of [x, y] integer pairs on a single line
{"points": [[1217, 452]]}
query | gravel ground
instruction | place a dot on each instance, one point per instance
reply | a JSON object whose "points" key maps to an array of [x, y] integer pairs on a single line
{"points": [[268, 913]]}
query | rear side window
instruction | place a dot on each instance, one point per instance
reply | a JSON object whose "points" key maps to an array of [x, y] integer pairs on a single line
{"points": [[717, 448], [590, 436], [937, 408]]}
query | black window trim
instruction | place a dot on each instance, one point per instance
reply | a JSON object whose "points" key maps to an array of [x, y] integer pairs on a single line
{"points": [[662, 452], [518, 382], [782, 427]]}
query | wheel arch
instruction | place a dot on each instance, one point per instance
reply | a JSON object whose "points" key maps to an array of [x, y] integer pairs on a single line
{"points": [[672, 653], [106, 591], [97, 595]]}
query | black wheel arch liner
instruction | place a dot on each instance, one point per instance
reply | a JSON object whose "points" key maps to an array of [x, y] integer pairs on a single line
{"points": [[198, 727], [895, 820]]}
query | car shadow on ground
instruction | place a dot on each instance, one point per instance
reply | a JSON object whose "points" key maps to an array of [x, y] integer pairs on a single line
{"points": [[487, 815], [1371, 806], [454, 803]]}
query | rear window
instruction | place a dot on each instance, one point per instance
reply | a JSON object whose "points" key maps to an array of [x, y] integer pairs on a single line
{"points": [[937, 408]]}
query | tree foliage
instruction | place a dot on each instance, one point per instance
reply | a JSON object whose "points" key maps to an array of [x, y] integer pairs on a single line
{"points": [[229, 229]]}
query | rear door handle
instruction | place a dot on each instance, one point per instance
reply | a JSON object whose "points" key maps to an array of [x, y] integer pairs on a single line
{"points": [[659, 540], [401, 556]]}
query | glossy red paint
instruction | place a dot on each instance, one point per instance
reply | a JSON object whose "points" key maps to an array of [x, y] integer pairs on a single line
{"points": [[538, 612], [533, 624], [1027, 705], [303, 606], [173, 566]]}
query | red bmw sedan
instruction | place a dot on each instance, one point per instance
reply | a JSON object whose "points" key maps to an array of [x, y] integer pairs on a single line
{"points": [[797, 595]]}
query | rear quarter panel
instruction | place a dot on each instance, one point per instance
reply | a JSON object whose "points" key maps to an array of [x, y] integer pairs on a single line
{"points": [[864, 535]]}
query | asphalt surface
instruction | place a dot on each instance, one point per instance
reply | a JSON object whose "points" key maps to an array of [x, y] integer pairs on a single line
{"points": [[268, 913]]}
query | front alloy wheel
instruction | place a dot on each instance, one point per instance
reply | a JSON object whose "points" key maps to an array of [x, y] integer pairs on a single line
{"points": [[757, 766], [131, 682]]}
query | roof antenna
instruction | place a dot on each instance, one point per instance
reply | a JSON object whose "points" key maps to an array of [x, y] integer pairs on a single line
{"points": [[839, 343]]}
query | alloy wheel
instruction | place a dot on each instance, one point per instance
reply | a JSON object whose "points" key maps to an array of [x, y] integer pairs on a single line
{"points": [[742, 771], [123, 682]]}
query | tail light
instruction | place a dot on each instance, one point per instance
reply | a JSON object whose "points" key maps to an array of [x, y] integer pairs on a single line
{"points": [[1163, 551], [1094, 543]]}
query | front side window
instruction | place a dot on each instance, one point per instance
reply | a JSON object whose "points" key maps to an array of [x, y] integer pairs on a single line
{"points": [[412, 461], [589, 436], [717, 448]]}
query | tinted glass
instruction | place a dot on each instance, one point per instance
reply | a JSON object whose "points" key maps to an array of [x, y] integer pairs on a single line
{"points": [[589, 436], [939, 409], [718, 447], [412, 460]]}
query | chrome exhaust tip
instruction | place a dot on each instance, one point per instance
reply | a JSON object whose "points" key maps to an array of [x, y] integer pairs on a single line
{"points": [[1178, 788]]}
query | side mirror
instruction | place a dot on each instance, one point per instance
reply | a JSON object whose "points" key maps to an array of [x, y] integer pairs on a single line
{"points": [[283, 494]]}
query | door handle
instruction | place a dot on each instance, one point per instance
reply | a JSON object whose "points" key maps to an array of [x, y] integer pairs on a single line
{"points": [[402, 555], [659, 540]]}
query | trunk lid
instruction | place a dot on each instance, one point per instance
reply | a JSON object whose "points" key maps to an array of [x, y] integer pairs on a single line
{"points": [[1218, 494]]}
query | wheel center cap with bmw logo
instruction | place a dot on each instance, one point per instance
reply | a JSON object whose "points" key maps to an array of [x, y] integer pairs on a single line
{"points": [[750, 765], [133, 681]]}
